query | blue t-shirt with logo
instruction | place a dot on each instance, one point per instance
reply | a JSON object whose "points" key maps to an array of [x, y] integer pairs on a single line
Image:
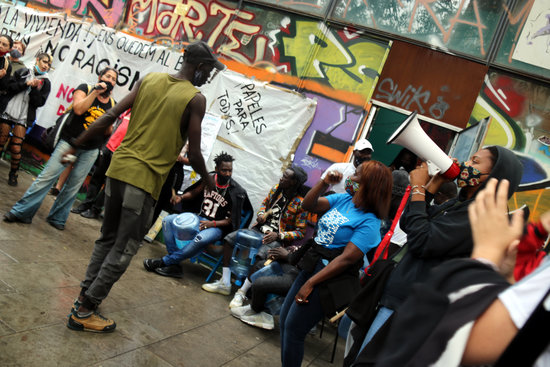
{"points": [[345, 223]]}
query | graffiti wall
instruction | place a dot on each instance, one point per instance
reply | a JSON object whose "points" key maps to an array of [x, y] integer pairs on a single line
{"points": [[520, 120], [107, 12], [337, 66]]}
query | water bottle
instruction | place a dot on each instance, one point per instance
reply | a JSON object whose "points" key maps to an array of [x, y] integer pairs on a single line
{"points": [[186, 226], [246, 247]]}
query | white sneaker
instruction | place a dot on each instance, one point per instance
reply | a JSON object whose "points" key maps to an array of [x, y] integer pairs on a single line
{"points": [[217, 287], [238, 299], [262, 320], [239, 312]]}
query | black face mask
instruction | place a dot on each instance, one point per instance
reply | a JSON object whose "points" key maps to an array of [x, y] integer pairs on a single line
{"points": [[197, 78], [357, 161], [108, 89], [222, 180]]}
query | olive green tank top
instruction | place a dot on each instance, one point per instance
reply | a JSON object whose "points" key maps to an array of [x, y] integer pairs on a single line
{"points": [[153, 140]]}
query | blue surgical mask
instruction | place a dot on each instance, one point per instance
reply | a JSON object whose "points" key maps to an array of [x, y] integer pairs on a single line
{"points": [[351, 186], [38, 71]]}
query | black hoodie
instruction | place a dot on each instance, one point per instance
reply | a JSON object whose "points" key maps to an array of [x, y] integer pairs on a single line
{"points": [[439, 233]]}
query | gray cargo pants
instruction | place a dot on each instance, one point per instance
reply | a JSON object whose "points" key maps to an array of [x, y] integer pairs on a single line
{"points": [[128, 211]]}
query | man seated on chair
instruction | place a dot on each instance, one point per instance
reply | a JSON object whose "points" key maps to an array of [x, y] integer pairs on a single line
{"points": [[219, 213], [281, 220]]}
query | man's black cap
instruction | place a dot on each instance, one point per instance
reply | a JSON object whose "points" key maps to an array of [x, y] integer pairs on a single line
{"points": [[199, 52]]}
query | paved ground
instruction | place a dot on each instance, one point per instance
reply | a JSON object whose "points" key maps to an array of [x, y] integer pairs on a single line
{"points": [[160, 321]]}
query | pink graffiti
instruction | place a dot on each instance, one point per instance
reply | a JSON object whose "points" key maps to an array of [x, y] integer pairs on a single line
{"points": [[108, 12]]}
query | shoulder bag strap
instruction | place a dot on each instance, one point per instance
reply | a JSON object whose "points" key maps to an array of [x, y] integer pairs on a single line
{"points": [[382, 249]]}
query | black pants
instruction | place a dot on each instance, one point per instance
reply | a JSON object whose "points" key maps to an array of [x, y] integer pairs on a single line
{"points": [[277, 284]]}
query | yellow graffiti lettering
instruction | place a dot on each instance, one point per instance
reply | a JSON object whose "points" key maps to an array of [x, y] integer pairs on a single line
{"points": [[354, 68]]}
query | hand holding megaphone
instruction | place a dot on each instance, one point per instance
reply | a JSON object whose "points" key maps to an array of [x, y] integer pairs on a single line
{"points": [[411, 136]]}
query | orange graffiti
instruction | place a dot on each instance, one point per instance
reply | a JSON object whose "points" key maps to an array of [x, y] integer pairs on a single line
{"points": [[447, 33], [269, 76], [158, 18], [522, 16]]}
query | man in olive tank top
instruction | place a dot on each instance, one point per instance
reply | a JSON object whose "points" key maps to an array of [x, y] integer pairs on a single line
{"points": [[167, 110]]}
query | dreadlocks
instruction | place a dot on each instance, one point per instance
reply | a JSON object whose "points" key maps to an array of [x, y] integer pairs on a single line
{"points": [[223, 157]]}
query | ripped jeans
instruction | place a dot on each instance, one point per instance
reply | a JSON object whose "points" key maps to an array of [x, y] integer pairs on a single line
{"points": [[193, 248]]}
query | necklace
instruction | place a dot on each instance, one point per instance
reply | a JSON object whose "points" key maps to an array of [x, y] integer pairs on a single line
{"points": [[219, 187]]}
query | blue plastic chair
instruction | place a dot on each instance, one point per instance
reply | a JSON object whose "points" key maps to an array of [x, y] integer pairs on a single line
{"points": [[215, 261]]}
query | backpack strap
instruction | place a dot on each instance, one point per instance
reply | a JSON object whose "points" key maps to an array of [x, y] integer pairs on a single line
{"points": [[71, 105]]}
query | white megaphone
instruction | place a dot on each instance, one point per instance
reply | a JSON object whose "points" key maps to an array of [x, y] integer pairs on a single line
{"points": [[411, 136]]}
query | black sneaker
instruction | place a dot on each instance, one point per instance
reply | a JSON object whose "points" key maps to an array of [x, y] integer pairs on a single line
{"points": [[173, 271], [12, 218], [79, 209], [152, 264], [90, 214], [57, 226], [12, 178]]}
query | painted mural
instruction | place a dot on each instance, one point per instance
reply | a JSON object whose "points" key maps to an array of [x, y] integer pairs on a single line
{"points": [[108, 12], [340, 66], [520, 120]]}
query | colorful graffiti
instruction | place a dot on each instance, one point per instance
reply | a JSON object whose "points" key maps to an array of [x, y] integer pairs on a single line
{"points": [[466, 26], [520, 120], [108, 12], [329, 137], [342, 58], [223, 27]]}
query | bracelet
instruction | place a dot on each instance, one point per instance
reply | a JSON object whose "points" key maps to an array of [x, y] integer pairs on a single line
{"points": [[214, 224], [416, 187], [418, 192]]}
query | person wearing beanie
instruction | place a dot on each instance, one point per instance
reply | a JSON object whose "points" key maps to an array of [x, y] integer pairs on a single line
{"points": [[435, 233]]}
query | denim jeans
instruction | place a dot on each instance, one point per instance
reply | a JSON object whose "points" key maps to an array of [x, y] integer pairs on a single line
{"points": [[296, 320], [193, 248], [380, 319], [28, 205]]}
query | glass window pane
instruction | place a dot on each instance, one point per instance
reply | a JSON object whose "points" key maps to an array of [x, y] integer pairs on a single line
{"points": [[461, 26], [315, 7], [526, 42]]}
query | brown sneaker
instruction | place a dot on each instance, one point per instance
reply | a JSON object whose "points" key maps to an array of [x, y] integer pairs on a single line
{"points": [[94, 322]]}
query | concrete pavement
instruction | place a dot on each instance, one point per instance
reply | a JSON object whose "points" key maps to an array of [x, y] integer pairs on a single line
{"points": [[160, 321]]}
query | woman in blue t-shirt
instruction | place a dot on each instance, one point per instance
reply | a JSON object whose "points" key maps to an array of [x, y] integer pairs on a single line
{"points": [[348, 229]]}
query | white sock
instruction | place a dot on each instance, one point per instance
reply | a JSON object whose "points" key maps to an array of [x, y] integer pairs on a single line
{"points": [[226, 276], [246, 286]]}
